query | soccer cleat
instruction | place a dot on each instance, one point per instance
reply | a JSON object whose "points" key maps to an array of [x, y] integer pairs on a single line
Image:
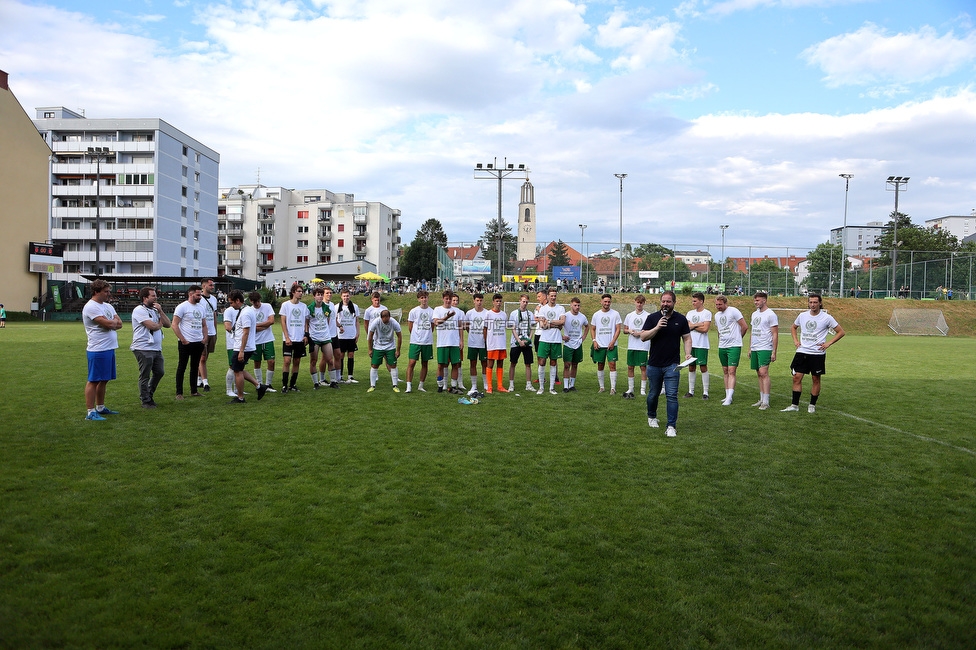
{"points": [[396, 389], [284, 389], [237, 400], [206, 388], [613, 391], [371, 389], [553, 391], [671, 432], [758, 403], [488, 390], [268, 388], [352, 381], [726, 402], [572, 388], [689, 394], [506, 390], [149, 405], [440, 389], [421, 388], [333, 384], [94, 416], [811, 408], [261, 391], [409, 388], [295, 389], [764, 407], [705, 396], [231, 394], [626, 394], [602, 390], [565, 389], [653, 423], [528, 386], [540, 391], [315, 385], [791, 407], [107, 411]]}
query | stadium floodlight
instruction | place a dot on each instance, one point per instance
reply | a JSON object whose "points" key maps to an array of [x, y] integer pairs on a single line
{"points": [[495, 172], [894, 183], [843, 233], [582, 228], [620, 278], [722, 280]]}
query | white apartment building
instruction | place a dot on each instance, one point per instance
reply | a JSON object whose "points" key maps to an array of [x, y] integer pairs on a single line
{"points": [[130, 196], [263, 229], [960, 226], [859, 239]]}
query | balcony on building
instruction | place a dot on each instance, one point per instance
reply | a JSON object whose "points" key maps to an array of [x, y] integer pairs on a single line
{"points": [[325, 249], [360, 219], [266, 267], [325, 235], [360, 234], [234, 217], [266, 248], [360, 250], [325, 216], [266, 215]]}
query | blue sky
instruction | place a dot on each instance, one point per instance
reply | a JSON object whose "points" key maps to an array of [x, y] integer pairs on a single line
{"points": [[741, 112]]}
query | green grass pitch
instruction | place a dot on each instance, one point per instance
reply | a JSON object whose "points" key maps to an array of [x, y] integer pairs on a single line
{"points": [[346, 520]]}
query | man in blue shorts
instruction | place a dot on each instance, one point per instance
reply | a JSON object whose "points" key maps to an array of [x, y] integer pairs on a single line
{"points": [[101, 325]]}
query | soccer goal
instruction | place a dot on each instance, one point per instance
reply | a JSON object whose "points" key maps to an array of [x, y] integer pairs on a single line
{"points": [[918, 322]]}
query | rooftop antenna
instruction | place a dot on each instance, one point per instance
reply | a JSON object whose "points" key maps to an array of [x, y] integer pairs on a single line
{"points": [[259, 176]]}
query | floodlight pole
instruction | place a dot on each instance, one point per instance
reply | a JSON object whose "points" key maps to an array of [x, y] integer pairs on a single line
{"points": [[96, 154], [895, 182], [843, 233], [722, 280], [582, 228], [493, 171], [620, 252]]}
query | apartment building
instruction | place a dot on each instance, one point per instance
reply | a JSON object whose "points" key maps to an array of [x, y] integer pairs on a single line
{"points": [[130, 196], [958, 225], [860, 239], [264, 229]]}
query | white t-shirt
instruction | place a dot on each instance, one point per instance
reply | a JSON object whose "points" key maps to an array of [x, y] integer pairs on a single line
{"points": [[497, 326], [320, 322], [349, 321], [384, 334], [142, 337], [422, 333], [209, 313], [370, 313], [246, 320], [99, 338], [448, 332], [476, 327], [191, 320], [295, 317], [521, 324], [575, 328], [729, 334], [606, 323], [262, 314], [813, 331], [763, 323], [230, 316], [333, 321], [699, 339], [635, 322], [551, 334]]}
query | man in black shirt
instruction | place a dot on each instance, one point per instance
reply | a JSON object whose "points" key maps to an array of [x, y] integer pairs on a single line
{"points": [[666, 329]]}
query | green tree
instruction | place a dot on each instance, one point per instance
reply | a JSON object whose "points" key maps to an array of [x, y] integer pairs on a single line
{"points": [[432, 231], [927, 243], [825, 258], [558, 255], [489, 243], [419, 261], [652, 249]]}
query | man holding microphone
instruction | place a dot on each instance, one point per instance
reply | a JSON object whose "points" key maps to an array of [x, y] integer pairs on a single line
{"points": [[666, 329]]}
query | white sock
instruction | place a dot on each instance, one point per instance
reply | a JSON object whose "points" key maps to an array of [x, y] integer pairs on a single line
{"points": [[691, 382], [270, 377], [705, 378], [728, 393], [474, 382], [258, 375], [630, 384], [395, 376], [764, 398], [613, 380], [552, 377], [643, 386], [542, 377], [374, 375], [599, 378], [229, 378]]}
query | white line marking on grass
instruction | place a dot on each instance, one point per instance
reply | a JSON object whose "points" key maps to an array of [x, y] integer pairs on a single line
{"points": [[895, 429]]}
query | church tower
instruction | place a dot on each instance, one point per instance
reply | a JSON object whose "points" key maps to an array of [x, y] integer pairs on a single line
{"points": [[526, 223]]}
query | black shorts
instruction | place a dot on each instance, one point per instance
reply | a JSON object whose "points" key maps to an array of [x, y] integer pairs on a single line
{"points": [[809, 364], [347, 345], [295, 350], [239, 366], [521, 351]]}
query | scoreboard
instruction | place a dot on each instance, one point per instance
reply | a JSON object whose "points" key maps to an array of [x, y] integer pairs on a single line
{"points": [[45, 258]]}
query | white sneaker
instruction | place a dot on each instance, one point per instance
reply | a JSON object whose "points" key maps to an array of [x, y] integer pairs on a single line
{"points": [[671, 433], [552, 391], [791, 407], [511, 387], [726, 402], [408, 389], [759, 403], [528, 386], [811, 408], [421, 388], [270, 389], [540, 391], [352, 381], [653, 423], [764, 407], [231, 393]]}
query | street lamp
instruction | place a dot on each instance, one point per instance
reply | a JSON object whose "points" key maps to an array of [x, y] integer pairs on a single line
{"points": [[722, 280], [493, 171], [620, 252], [895, 182], [582, 228], [97, 154], [843, 233]]}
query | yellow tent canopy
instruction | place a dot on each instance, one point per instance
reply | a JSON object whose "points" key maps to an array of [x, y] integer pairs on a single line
{"points": [[369, 275]]}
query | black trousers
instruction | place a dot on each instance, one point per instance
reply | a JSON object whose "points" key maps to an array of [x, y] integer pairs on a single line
{"points": [[191, 352]]}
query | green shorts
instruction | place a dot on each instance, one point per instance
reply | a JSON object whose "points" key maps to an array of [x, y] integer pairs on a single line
{"points": [[421, 351], [729, 357], [760, 358], [701, 356], [379, 356], [263, 351], [636, 358], [449, 355], [477, 354], [603, 355], [572, 355], [552, 351]]}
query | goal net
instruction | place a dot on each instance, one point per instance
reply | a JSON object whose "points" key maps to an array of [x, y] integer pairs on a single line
{"points": [[918, 322]]}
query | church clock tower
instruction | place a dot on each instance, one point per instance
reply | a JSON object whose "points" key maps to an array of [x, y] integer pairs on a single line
{"points": [[526, 223]]}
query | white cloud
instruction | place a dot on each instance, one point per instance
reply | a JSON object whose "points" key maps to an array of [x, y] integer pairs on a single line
{"points": [[870, 56], [642, 44]]}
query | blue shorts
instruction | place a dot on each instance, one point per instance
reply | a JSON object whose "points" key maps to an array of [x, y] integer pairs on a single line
{"points": [[101, 365]]}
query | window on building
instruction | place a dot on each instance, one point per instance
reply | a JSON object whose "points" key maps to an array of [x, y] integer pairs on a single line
{"points": [[302, 259], [302, 243], [196, 177], [184, 150], [342, 227], [303, 214], [48, 114], [340, 257], [184, 190], [185, 170], [341, 243], [183, 231], [302, 229]]}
